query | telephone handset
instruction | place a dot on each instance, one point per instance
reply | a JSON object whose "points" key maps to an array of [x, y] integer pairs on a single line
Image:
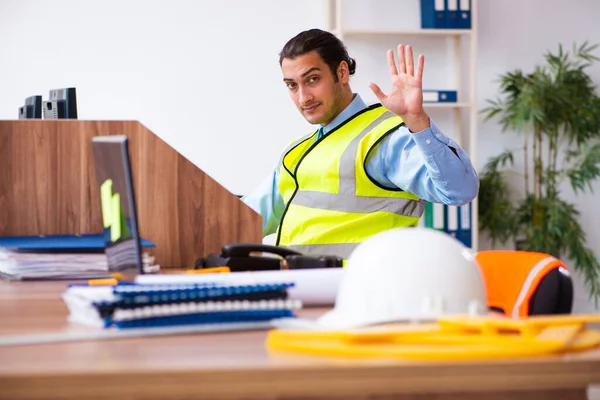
{"points": [[245, 249], [244, 257]]}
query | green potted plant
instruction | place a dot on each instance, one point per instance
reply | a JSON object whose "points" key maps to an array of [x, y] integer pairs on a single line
{"points": [[556, 110]]}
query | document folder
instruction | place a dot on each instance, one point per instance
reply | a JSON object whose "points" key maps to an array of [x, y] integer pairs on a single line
{"points": [[464, 14], [433, 14], [59, 242]]}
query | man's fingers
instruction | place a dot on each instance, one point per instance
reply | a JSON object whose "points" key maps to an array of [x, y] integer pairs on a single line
{"points": [[410, 63], [392, 63], [420, 66], [401, 61], [380, 95]]}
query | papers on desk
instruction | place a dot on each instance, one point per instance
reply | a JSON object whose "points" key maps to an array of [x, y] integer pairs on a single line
{"points": [[314, 286], [59, 257], [127, 306], [18, 265]]}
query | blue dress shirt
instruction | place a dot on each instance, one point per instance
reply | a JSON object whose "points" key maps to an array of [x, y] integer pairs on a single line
{"points": [[427, 164]]}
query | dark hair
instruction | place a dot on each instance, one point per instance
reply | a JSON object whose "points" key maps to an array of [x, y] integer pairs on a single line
{"points": [[328, 46]]}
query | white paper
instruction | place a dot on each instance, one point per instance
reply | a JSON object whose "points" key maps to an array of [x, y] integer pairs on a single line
{"points": [[311, 286]]}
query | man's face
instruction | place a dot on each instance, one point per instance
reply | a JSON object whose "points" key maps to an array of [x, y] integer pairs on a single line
{"points": [[312, 87]]}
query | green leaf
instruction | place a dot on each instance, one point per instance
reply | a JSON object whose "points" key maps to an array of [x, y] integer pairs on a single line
{"points": [[585, 168], [501, 160]]}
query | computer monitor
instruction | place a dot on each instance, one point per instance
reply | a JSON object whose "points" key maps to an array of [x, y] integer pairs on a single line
{"points": [[61, 104], [32, 108], [117, 199]]}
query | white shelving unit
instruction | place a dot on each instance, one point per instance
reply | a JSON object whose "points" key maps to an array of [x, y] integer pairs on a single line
{"points": [[466, 137]]}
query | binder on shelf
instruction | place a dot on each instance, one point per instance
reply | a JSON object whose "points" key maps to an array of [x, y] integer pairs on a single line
{"points": [[433, 14], [464, 226], [464, 14], [451, 220], [440, 96], [434, 216], [451, 14]]}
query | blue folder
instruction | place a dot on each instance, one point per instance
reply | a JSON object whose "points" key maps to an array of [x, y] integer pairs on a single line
{"points": [[464, 14], [440, 96], [464, 225], [59, 242], [451, 14], [433, 14]]}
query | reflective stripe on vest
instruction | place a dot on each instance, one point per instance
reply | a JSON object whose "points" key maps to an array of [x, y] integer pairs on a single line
{"points": [[342, 250], [530, 285], [352, 204], [332, 205]]}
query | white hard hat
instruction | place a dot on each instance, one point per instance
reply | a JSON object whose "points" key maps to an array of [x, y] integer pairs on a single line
{"points": [[407, 274]]}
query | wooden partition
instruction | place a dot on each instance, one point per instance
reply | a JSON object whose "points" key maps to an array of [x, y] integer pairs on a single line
{"points": [[48, 186]]}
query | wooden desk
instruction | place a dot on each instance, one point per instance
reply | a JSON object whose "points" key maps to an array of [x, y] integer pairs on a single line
{"points": [[236, 365]]}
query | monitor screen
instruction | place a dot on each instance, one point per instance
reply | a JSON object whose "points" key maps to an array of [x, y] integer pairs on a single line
{"points": [[117, 200]]}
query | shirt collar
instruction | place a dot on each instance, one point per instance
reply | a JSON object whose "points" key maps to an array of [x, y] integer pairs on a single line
{"points": [[356, 105]]}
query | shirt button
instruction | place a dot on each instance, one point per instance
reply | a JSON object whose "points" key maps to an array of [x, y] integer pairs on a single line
{"points": [[437, 135], [428, 141]]}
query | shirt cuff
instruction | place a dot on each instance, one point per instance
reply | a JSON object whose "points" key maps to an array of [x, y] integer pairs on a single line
{"points": [[430, 140]]}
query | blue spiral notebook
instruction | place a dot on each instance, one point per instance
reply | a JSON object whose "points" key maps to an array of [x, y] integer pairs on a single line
{"points": [[146, 305]]}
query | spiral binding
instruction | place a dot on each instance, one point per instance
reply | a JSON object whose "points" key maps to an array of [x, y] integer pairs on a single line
{"points": [[201, 303], [127, 295], [205, 307]]}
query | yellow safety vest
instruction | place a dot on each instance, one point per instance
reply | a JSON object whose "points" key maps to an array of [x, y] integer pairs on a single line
{"points": [[331, 203]]}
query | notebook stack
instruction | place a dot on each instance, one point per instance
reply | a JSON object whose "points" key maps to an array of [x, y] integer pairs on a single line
{"points": [[59, 257], [126, 306], [17, 265]]}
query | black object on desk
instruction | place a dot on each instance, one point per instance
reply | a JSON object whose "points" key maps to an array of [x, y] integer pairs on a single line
{"points": [[238, 257]]}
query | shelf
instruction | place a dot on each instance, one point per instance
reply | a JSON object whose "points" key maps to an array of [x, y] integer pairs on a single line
{"points": [[413, 32], [447, 105], [464, 112]]}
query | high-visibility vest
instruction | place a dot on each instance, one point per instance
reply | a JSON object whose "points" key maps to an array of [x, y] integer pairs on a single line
{"points": [[512, 277], [331, 203]]}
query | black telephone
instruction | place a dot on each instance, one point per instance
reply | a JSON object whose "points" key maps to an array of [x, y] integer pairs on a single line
{"points": [[238, 257]]}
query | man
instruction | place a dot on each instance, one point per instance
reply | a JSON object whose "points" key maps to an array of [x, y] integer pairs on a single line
{"points": [[367, 168]]}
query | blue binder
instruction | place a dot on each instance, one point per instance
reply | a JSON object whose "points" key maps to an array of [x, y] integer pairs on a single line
{"points": [[59, 242], [464, 14], [464, 225], [440, 96], [451, 20], [433, 14]]}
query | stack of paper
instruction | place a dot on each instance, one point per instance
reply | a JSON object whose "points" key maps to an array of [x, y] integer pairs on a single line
{"points": [[36, 265], [149, 306], [59, 257]]}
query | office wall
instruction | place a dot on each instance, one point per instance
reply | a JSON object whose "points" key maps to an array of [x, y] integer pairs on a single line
{"points": [[204, 75]]}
